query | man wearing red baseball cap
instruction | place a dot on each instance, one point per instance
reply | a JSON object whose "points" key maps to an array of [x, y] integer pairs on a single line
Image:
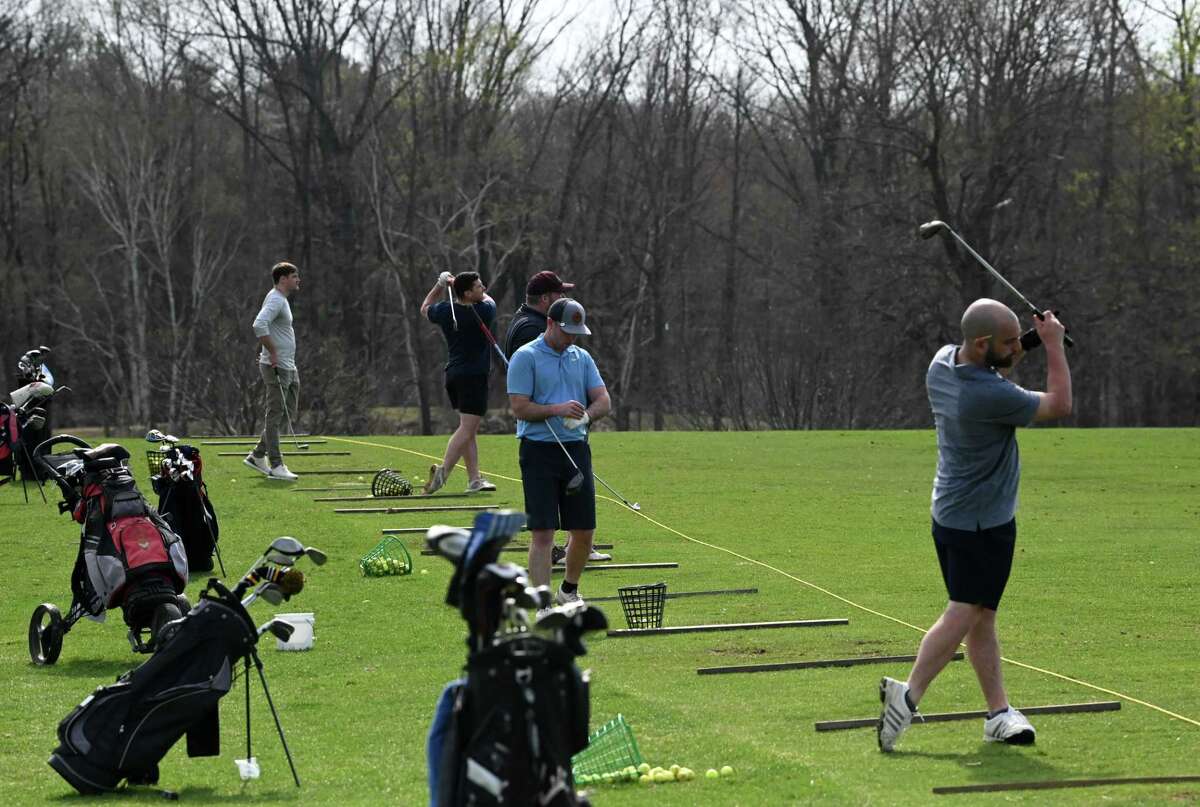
{"points": [[529, 322]]}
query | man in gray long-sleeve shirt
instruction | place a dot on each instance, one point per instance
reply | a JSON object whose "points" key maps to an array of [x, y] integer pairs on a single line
{"points": [[277, 365], [977, 410]]}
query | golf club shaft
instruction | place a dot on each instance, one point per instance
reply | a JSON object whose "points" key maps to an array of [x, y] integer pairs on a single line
{"points": [[992, 271], [487, 333], [450, 297], [613, 491], [286, 411], [560, 445]]}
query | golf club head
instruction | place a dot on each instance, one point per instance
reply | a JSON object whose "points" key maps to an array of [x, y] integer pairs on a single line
{"points": [[635, 507], [279, 629], [315, 555], [155, 436], [930, 228], [448, 542], [583, 619], [284, 551], [575, 484], [271, 593]]}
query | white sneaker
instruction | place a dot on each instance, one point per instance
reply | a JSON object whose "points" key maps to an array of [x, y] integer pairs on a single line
{"points": [[480, 485], [563, 598], [1010, 726], [896, 716], [599, 556], [259, 464], [281, 471], [437, 478]]}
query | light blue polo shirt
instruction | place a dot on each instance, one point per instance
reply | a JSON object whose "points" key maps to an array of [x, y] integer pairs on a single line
{"points": [[550, 377], [976, 412]]}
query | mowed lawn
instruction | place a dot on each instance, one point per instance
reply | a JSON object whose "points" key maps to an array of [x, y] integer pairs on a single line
{"points": [[824, 524]]}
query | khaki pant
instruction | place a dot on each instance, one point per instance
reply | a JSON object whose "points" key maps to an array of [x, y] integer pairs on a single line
{"points": [[275, 417]]}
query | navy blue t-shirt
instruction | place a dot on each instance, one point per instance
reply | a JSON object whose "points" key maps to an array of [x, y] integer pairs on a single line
{"points": [[470, 352]]}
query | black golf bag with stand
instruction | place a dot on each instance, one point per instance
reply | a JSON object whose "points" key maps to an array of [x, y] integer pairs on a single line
{"points": [[178, 479], [121, 731], [128, 558], [505, 734]]}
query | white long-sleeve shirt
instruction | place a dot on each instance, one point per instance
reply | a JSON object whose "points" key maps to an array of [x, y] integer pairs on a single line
{"points": [[275, 320]]}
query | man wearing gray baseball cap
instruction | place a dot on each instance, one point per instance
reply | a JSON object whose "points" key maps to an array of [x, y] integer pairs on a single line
{"points": [[556, 391]]}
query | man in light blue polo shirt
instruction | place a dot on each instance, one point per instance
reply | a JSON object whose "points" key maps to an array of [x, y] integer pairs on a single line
{"points": [[556, 391], [977, 410]]}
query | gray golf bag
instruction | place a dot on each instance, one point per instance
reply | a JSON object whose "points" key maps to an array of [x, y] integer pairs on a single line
{"points": [[505, 734]]}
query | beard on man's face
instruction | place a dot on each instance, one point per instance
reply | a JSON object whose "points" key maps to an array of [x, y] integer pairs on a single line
{"points": [[992, 360]]}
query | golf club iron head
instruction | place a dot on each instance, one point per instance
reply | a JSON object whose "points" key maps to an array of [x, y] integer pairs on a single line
{"points": [[930, 228], [271, 593], [279, 629]]}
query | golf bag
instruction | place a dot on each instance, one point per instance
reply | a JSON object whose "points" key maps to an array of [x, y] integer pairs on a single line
{"points": [[10, 443], [128, 556], [122, 730], [505, 734], [34, 380], [183, 500]]}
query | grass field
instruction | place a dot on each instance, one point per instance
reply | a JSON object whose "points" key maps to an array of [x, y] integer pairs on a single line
{"points": [[824, 524]]}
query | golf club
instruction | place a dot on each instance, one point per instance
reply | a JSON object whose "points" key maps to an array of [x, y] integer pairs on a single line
{"points": [[932, 228], [450, 297], [487, 333], [576, 481], [283, 397]]}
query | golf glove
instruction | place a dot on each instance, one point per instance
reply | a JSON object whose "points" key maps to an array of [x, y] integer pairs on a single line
{"points": [[575, 423], [445, 279]]}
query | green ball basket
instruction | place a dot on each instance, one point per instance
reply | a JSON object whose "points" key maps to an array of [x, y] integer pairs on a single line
{"points": [[611, 749], [389, 557]]}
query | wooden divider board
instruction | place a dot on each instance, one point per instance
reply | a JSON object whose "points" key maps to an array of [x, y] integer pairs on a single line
{"points": [[805, 665], [942, 717], [790, 623]]}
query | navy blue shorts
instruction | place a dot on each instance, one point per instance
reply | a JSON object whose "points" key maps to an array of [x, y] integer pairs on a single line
{"points": [[468, 394], [975, 565], [545, 472]]}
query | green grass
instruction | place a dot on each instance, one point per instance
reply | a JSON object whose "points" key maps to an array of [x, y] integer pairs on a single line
{"points": [[1104, 591]]}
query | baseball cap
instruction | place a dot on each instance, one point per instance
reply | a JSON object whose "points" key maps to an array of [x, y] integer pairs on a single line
{"points": [[545, 283], [570, 315]]}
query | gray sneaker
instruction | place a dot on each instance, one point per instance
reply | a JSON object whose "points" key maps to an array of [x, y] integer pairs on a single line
{"points": [[480, 485], [437, 478], [896, 716], [259, 464], [599, 555]]}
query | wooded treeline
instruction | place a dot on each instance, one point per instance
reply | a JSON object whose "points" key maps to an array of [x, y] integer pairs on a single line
{"points": [[735, 188]]}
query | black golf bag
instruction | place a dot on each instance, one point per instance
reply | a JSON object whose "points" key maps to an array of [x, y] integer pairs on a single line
{"points": [[10, 443], [183, 500], [505, 734], [122, 730], [128, 555]]}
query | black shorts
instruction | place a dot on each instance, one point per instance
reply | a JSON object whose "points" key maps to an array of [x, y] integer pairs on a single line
{"points": [[976, 565], [545, 472], [468, 394]]}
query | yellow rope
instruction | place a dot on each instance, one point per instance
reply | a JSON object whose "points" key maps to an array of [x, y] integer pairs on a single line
{"points": [[824, 591]]}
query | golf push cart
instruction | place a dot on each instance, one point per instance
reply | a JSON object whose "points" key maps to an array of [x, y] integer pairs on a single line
{"points": [[128, 557]]}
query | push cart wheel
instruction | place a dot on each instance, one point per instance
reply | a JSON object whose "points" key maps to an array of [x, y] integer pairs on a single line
{"points": [[45, 634]]}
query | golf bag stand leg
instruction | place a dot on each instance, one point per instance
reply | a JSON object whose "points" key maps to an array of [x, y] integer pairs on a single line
{"points": [[278, 727]]}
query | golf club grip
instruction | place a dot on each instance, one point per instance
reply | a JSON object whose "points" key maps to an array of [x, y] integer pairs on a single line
{"points": [[1067, 340]]}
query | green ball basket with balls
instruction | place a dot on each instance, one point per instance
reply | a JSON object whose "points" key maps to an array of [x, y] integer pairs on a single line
{"points": [[389, 557]]}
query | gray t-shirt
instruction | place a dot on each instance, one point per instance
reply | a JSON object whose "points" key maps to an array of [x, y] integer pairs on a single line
{"points": [[976, 412], [275, 319]]}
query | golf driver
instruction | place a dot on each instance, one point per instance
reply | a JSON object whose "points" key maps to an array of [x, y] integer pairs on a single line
{"points": [[932, 228], [283, 397]]}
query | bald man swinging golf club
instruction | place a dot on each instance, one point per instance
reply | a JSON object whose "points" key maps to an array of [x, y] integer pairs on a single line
{"points": [[555, 392], [977, 410]]}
